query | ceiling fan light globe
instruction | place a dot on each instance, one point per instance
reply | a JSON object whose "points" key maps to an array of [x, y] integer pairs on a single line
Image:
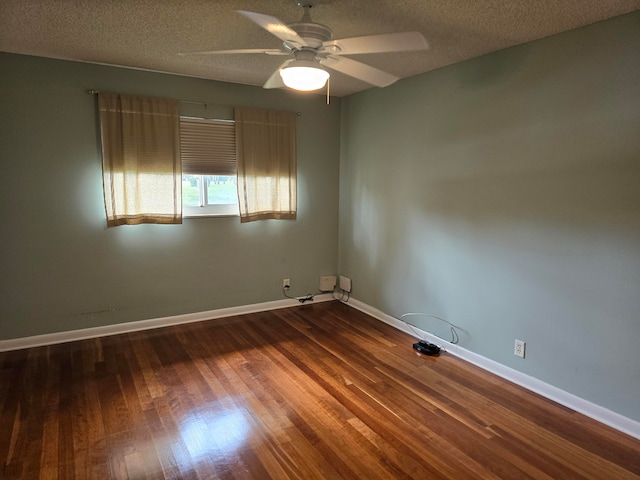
{"points": [[304, 77]]}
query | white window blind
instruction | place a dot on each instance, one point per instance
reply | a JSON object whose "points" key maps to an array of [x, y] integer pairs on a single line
{"points": [[207, 147]]}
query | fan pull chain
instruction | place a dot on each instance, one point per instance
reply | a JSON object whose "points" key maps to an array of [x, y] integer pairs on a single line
{"points": [[328, 88]]}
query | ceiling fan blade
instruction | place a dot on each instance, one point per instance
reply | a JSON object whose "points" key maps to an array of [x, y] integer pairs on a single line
{"points": [[268, 51], [275, 27], [275, 80], [359, 70], [389, 42]]}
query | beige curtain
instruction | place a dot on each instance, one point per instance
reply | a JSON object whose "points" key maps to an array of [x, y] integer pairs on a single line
{"points": [[141, 169], [266, 162]]}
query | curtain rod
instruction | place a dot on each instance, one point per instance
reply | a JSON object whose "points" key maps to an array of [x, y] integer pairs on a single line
{"points": [[95, 92]]}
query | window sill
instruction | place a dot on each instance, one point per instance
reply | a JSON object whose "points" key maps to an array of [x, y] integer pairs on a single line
{"points": [[214, 210]]}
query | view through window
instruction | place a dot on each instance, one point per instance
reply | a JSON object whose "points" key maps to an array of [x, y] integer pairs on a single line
{"points": [[206, 190]]}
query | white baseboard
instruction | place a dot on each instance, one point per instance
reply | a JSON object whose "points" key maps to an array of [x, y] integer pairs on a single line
{"points": [[591, 410], [116, 329]]}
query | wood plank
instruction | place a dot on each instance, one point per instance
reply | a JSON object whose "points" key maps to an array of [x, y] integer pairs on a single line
{"points": [[313, 392]]}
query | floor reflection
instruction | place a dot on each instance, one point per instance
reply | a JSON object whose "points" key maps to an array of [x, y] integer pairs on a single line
{"points": [[215, 431]]}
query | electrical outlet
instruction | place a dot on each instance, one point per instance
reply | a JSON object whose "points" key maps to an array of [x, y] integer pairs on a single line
{"points": [[519, 348], [286, 283]]}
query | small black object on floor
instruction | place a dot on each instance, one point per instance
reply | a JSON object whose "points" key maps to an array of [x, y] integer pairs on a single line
{"points": [[426, 348]]}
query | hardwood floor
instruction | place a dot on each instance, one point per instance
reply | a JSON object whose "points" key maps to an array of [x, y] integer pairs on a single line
{"points": [[319, 391]]}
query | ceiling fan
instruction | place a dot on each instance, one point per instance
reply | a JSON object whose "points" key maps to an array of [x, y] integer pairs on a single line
{"points": [[314, 51]]}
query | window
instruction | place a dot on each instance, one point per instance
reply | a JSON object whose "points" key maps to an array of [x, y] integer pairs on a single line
{"points": [[209, 181]]}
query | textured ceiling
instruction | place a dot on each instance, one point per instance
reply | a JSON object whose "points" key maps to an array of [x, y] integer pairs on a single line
{"points": [[149, 34]]}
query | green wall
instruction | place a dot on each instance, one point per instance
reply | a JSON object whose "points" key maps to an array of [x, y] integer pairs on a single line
{"points": [[62, 269], [503, 194]]}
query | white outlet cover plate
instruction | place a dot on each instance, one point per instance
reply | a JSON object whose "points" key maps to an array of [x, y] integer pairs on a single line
{"points": [[345, 283], [518, 350], [327, 283]]}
